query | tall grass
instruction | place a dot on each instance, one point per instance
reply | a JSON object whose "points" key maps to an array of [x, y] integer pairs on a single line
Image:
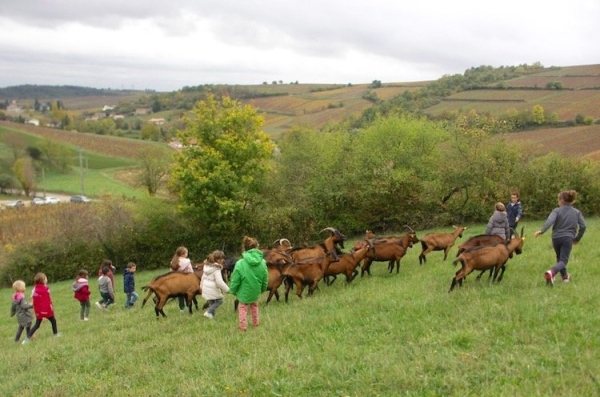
{"points": [[383, 335]]}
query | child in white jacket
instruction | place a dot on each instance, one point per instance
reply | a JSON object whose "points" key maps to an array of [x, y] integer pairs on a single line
{"points": [[212, 284]]}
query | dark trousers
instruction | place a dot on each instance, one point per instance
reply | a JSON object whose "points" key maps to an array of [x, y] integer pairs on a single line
{"points": [[562, 248], [38, 322], [27, 328]]}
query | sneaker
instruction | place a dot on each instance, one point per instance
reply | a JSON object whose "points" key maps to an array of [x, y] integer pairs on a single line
{"points": [[208, 315], [86, 319], [566, 278], [25, 341], [98, 305], [58, 335], [549, 278]]}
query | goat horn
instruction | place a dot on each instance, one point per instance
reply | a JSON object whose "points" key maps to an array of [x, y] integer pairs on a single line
{"points": [[329, 229], [409, 228]]}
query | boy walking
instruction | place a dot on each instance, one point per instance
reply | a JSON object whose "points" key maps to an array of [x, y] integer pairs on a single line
{"points": [[129, 285]]}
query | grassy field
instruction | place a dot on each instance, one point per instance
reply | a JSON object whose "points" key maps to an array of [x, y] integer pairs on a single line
{"points": [[383, 335]]}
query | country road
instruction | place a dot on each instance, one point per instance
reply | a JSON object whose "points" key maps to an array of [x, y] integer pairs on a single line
{"points": [[27, 200]]}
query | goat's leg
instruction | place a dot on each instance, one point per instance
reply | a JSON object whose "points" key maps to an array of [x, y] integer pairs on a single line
{"points": [[366, 267]]}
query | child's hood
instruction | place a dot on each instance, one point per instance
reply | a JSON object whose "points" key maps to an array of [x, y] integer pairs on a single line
{"points": [[210, 268], [18, 296]]}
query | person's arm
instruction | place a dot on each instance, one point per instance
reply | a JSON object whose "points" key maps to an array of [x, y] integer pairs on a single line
{"points": [[549, 222], [265, 277], [582, 227], [234, 286], [519, 212], [490, 225], [220, 283]]}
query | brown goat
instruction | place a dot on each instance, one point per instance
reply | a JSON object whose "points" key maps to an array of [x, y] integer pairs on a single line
{"points": [[347, 264], [277, 262], [479, 240], [487, 257], [170, 285], [390, 249], [308, 271], [439, 242]]}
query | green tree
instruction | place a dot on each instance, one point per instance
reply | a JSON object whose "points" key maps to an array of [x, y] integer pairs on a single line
{"points": [[221, 169], [155, 163], [539, 116], [150, 132], [24, 172]]}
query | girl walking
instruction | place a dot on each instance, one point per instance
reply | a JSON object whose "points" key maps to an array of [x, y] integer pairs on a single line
{"points": [[22, 309], [568, 227], [42, 306], [248, 280], [213, 286], [181, 263]]}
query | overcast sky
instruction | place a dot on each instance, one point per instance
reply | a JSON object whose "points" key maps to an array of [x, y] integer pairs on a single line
{"points": [[166, 45]]}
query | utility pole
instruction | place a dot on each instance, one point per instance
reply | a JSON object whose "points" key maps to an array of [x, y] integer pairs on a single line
{"points": [[81, 171]]}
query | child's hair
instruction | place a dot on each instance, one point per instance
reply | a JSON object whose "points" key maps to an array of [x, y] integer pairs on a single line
{"points": [[131, 265], [105, 270], [19, 286], [515, 193], [180, 251], [215, 256], [568, 196], [39, 278], [107, 263], [500, 207], [249, 243], [83, 273]]}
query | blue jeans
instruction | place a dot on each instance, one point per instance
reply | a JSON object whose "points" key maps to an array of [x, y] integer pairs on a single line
{"points": [[107, 299], [132, 297]]}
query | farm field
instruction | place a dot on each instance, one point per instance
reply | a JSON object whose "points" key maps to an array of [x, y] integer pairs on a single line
{"points": [[383, 335], [582, 141]]}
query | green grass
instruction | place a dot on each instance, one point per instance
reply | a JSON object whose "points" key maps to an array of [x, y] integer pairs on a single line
{"points": [[384, 335], [96, 183]]}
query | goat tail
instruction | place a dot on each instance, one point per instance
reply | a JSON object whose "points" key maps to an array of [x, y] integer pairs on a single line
{"points": [[150, 292], [459, 259]]}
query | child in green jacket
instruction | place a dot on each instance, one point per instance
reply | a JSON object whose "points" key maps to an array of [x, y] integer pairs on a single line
{"points": [[248, 280]]}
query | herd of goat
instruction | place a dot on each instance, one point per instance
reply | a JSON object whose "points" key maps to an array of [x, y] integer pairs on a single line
{"points": [[302, 267]]}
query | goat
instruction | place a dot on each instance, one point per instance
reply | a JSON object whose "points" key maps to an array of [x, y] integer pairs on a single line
{"points": [[480, 240], [170, 285], [487, 257], [318, 256], [308, 271], [390, 249], [277, 262], [439, 242], [347, 264]]}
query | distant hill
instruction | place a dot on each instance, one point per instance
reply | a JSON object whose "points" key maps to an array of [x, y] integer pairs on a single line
{"points": [[566, 92], [23, 92]]}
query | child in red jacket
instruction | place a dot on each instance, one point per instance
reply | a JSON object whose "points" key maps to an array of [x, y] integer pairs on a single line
{"points": [[42, 306], [82, 293]]}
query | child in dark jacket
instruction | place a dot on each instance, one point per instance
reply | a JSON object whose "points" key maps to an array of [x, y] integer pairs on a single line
{"points": [[82, 293], [129, 285], [21, 308]]}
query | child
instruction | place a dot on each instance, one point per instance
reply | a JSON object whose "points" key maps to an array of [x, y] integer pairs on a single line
{"points": [[212, 282], [248, 280], [129, 285], [82, 293], [514, 212], [498, 223], [111, 269], [568, 228], [181, 263], [42, 306], [21, 308], [105, 287]]}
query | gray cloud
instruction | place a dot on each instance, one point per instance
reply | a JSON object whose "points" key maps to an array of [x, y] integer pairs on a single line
{"points": [[153, 44]]}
